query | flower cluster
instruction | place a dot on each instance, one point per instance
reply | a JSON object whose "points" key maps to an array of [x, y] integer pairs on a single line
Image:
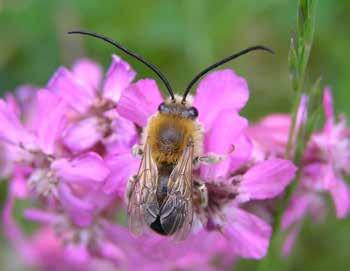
{"points": [[325, 163], [66, 151]]}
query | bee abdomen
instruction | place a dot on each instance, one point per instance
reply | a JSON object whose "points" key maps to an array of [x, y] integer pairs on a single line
{"points": [[157, 226], [167, 221]]}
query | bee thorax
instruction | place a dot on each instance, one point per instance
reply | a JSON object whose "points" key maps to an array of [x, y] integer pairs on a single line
{"points": [[169, 136], [170, 141]]}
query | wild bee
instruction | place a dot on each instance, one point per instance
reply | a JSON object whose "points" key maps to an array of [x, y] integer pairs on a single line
{"points": [[160, 194]]}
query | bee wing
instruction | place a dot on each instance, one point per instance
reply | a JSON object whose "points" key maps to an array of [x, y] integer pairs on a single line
{"points": [[143, 206], [177, 210]]}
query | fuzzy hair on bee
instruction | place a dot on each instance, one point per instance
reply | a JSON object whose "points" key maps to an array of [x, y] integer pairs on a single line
{"points": [[162, 194], [170, 130]]}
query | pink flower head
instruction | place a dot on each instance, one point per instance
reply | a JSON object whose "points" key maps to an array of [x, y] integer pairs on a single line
{"points": [[327, 158], [201, 251], [93, 101], [324, 164], [65, 146], [61, 242], [74, 181], [44, 249], [219, 98]]}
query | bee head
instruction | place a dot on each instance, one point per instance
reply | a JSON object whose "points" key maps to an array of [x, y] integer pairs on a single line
{"points": [[178, 109]]}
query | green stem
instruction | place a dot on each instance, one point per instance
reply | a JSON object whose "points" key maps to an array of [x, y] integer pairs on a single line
{"points": [[298, 59], [291, 135]]}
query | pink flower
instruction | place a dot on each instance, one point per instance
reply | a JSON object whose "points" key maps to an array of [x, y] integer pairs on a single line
{"points": [[201, 251], [58, 244], [324, 164], [44, 250], [93, 118], [20, 104], [326, 161], [235, 180], [329, 152], [62, 144], [54, 172]]}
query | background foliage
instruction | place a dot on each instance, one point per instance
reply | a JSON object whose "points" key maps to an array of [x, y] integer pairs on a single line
{"points": [[182, 37]]}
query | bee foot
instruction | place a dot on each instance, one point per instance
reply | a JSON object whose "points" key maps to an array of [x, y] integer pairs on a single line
{"points": [[137, 150], [208, 159], [203, 193]]}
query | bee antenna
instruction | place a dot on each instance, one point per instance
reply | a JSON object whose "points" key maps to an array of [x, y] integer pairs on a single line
{"points": [[221, 62], [130, 53]]}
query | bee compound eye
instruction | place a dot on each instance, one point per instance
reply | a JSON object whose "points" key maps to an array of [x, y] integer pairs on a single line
{"points": [[193, 112], [163, 108]]}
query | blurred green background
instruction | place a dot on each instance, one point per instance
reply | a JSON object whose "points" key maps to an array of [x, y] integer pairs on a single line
{"points": [[182, 37]]}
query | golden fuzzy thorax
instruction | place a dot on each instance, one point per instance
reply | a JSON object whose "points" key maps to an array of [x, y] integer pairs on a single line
{"points": [[168, 136]]}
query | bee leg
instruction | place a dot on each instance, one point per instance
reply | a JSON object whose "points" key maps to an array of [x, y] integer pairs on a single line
{"points": [[130, 187], [137, 150], [203, 193], [207, 159]]}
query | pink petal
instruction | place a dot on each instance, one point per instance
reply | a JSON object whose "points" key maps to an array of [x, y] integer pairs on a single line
{"points": [[27, 102], [80, 211], [318, 208], [290, 240], [99, 199], [18, 185], [13, 231], [41, 216], [301, 113], [76, 256], [241, 154], [218, 91], [89, 74], [297, 208], [64, 84], [340, 193], [24, 95], [328, 174], [13, 104], [266, 180], [110, 251], [220, 139], [47, 248], [118, 78], [11, 129], [328, 108], [317, 176], [125, 135], [51, 121], [140, 101], [249, 235], [6, 162], [271, 133], [302, 203], [83, 134], [123, 166], [86, 168]]}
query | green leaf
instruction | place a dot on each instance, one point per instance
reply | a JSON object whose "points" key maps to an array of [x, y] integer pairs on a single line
{"points": [[300, 47]]}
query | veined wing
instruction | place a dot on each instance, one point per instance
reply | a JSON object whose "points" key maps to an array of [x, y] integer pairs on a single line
{"points": [[143, 205], [177, 209]]}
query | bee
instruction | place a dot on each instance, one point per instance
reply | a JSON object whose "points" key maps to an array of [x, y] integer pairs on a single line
{"points": [[161, 194]]}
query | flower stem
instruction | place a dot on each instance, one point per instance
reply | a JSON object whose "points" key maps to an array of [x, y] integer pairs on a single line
{"points": [[298, 59]]}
